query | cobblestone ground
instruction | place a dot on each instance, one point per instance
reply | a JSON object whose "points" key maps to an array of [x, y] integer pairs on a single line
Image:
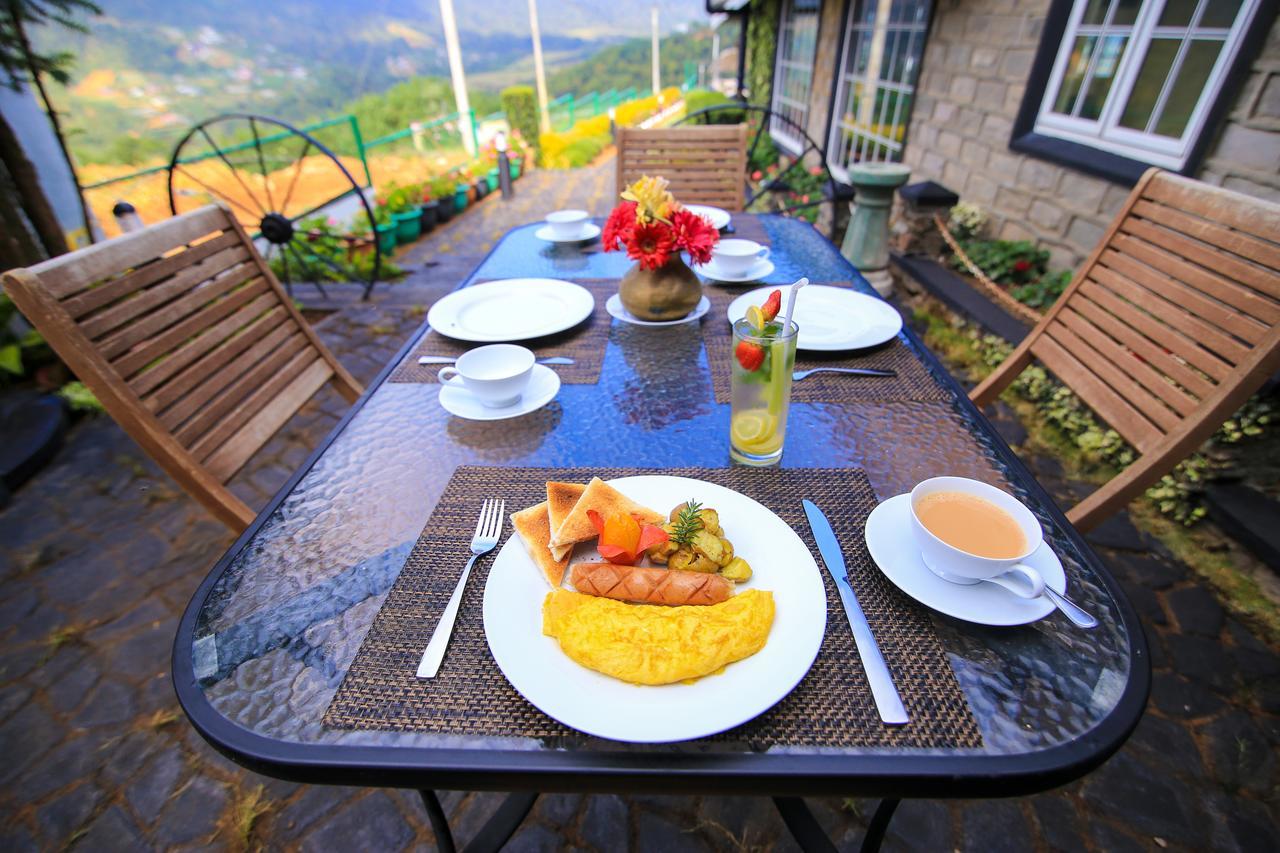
{"points": [[100, 553]]}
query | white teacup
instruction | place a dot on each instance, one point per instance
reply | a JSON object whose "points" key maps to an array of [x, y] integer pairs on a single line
{"points": [[952, 564], [496, 375], [567, 224], [737, 256]]}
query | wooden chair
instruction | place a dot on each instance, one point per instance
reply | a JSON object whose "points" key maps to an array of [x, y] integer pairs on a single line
{"points": [[705, 165], [1170, 325], [187, 339]]}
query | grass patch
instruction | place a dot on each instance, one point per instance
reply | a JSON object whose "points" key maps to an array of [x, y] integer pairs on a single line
{"points": [[248, 806]]}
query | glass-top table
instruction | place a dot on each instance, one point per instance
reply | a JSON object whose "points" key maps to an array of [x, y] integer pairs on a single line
{"points": [[269, 635]]}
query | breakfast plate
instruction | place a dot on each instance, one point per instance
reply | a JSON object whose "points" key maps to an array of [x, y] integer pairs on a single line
{"points": [[589, 231], [544, 384], [892, 545], [760, 269], [619, 312], [609, 708], [831, 318], [719, 217], [513, 309]]}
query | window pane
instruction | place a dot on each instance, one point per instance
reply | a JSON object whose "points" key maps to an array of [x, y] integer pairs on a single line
{"points": [[1096, 12], [1177, 13], [1104, 73], [1077, 65], [1196, 65], [1126, 12], [1146, 90], [1220, 13]]}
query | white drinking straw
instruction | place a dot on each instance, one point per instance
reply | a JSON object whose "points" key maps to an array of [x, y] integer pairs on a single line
{"points": [[791, 303]]}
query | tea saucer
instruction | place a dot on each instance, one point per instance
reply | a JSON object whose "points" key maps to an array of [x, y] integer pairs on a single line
{"points": [[589, 231], [893, 548], [759, 270], [544, 384], [619, 311]]}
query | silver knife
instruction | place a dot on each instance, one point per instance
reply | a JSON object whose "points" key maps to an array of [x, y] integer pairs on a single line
{"points": [[888, 702], [450, 359]]}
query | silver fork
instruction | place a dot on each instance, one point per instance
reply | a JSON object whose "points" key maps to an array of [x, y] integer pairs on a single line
{"points": [[853, 371], [488, 531]]}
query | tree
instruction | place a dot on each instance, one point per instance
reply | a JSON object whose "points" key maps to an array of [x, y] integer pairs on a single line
{"points": [[21, 64]]}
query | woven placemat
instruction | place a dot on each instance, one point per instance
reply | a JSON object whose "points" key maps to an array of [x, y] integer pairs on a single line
{"points": [[584, 343], [913, 383], [831, 707]]}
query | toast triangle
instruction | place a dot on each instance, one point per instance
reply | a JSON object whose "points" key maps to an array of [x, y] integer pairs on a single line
{"points": [[604, 499], [533, 525], [561, 498]]}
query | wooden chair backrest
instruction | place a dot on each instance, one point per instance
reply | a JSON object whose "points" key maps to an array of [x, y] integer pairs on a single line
{"points": [[704, 165], [187, 339], [1176, 314]]}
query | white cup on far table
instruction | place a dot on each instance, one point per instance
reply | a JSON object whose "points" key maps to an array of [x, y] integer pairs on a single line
{"points": [[567, 224], [496, 375], [737, 256]]}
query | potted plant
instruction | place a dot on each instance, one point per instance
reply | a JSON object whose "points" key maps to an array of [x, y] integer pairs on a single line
{"points": [[402, 202], [442, 190], [655, 228], [384, 228], [492, 179], [482, 187], [430, 209]]}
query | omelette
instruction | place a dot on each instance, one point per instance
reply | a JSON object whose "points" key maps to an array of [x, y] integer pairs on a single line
{"points": [[655, 644]]}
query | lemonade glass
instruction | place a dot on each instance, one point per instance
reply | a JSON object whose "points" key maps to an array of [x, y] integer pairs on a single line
{"points": [[761, 398]]}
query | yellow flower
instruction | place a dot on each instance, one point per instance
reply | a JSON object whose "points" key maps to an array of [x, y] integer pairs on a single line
{"points": [[653, 202]]}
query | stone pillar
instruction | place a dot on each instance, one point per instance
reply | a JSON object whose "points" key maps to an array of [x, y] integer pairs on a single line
{"points": [[866, 242]]}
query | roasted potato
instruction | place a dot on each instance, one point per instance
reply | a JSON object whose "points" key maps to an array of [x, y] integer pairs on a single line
{"points": [[738, 570], [662, 552], [690, 560]]}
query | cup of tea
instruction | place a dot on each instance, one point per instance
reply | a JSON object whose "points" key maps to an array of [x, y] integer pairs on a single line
{"points": [[737, 256], [969, 531], [496, 375], [567, 224]]}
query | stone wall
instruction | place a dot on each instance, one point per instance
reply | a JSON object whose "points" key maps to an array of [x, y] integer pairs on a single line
{"points": [[972, 82]]}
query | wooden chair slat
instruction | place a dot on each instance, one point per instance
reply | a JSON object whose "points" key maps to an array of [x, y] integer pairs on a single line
{"points": [[1156, 356], [1242, 271], [144, 276], [1226, 318], [213, 400], [1159, 387], [175, 401], [207, 339], [705, 165], [1100, 396], [257, 293], [114, 317], [1236, 242], [224, 462], [237, 416], [69, 274], [1257, 218]]}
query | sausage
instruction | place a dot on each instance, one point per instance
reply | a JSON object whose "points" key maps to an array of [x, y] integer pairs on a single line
{"points": [[649, 586]]}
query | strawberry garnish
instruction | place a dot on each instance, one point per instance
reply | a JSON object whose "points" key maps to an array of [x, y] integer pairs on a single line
{"points": [[772, 306], [749, 355]]}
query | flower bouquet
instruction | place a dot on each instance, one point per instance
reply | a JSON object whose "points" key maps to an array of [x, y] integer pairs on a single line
{"points": [[654, 229]]}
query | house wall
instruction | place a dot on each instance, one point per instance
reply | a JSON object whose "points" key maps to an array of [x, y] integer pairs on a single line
{"points": [[972, 82]]}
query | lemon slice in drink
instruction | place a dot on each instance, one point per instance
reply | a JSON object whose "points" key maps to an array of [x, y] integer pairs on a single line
{"points": [[756, 431], [756, 318]]}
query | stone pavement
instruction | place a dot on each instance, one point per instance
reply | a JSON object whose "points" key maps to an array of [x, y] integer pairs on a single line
{"points": [[100, 553]]}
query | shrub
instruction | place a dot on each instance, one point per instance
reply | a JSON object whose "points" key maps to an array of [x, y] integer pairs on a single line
{"points": [[521, 107], [701, 99]]}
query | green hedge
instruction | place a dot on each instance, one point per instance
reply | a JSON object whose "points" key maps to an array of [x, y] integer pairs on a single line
{"points": [[701, 99], [762, 44], [521, 106]]}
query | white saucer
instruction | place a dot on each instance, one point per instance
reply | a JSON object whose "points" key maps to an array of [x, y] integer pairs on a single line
{"points": [[619, 311], [893, 548], [543, 386], [759, 270], [589, 231], [718, 217]]}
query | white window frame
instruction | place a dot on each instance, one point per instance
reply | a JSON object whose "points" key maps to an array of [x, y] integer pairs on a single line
{"points": [[1106, 133], [782, 132]]}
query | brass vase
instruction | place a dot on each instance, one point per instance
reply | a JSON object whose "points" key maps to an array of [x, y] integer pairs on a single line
{"points": [[667, 293]]}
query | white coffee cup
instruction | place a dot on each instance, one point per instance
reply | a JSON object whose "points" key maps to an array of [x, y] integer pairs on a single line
{"points": [[496, 375], [736, 256], [567, 224], [950, 563]]}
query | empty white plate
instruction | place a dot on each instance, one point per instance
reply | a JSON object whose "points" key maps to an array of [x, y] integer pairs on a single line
{"points": [[831, 318], [718, 216], [544, 384], [513, 309], [619, 311], [590, 231]]}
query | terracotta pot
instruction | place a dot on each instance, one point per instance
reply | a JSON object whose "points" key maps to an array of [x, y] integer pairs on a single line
{"points": [[667, 293]]}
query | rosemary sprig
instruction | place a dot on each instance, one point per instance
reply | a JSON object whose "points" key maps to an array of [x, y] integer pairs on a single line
{"points": [[687, 524]]}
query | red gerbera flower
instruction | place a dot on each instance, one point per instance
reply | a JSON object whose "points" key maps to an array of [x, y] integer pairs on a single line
{"points": [[694, 234], [651, 244], [1021, 265], [619, 225]]}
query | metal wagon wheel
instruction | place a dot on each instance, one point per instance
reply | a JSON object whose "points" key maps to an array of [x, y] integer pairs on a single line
{"points": [[772, 192], [275, 178]]}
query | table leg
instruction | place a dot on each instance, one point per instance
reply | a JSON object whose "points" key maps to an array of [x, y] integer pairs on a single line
{"points": [[493, 835], [808, 833]]}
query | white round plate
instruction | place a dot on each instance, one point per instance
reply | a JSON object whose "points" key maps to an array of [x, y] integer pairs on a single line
{"points": [[619, 311], [606, 707], [831, 318], [544, 384], [760, 269], [513, 309], [590, 231], [893, 548], [718, 216]]}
